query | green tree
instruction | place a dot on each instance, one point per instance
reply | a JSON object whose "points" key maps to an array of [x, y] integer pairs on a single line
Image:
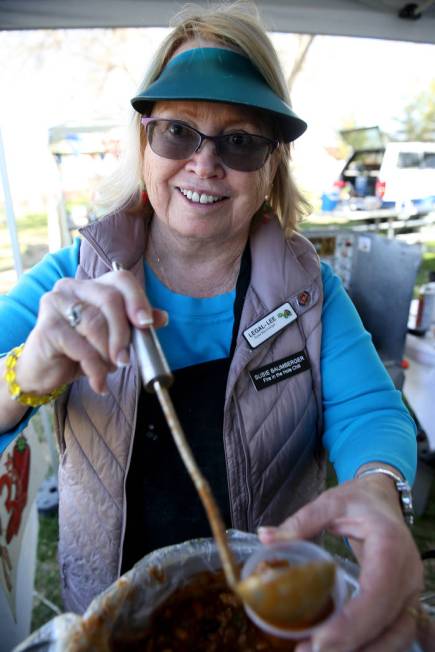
{"points": [[417, 121]]}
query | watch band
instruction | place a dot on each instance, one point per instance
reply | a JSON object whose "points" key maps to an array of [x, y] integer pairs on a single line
{"points": [[402, 486]]}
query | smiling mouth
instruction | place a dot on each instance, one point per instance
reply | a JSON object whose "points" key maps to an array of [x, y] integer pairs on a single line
{"points": [[201, 198]]}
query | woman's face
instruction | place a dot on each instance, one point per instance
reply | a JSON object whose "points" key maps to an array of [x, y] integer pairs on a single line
{"points": [[240, 194]]}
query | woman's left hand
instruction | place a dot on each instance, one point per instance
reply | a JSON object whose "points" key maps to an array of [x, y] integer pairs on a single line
{"points": [[381, 618]]}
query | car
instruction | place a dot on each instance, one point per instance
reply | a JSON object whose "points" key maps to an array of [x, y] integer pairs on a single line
{"points": [[386, 175], [406, 177]]}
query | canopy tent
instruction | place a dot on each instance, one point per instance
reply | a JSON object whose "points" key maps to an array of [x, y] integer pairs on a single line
{"points": [[386, 19], [83, 149], [72, 138]]}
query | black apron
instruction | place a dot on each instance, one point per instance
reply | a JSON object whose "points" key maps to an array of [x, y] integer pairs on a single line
{"points": [[163, 507]]}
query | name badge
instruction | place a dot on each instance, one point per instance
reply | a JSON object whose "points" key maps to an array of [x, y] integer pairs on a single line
{"points": [[265, 328], [279, 370]]}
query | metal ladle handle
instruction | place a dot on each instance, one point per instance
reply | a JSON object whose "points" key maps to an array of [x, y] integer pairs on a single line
{"points": [[153, 365]]}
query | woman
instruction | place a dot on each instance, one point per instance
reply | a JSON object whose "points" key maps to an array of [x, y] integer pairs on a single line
{"points": [[259, 387]]}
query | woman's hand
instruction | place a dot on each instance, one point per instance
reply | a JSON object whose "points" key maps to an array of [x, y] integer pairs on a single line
{"points": [[381, 618], [58, 352]]}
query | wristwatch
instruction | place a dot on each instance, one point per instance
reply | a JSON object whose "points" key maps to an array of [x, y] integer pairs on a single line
{"points": [[403, 489]]}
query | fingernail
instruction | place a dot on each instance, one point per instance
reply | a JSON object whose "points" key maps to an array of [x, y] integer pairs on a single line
{"points": [[275, 534], [306, 647], [123, 358], [322, 646], [266, 530], [144, 318], [288, 531], [165, 317]]}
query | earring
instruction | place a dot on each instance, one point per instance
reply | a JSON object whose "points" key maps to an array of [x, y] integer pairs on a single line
{"points": [[143, 193], [267, 210]]}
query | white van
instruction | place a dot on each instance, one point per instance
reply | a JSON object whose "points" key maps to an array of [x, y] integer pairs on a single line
{"points": [[398, 175], [406, 179]]}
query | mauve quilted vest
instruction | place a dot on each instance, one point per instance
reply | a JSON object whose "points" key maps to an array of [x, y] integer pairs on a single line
{"points": [[272, 437]]}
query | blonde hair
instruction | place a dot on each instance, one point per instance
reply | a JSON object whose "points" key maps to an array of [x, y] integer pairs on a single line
{"points": [[237, 26]]}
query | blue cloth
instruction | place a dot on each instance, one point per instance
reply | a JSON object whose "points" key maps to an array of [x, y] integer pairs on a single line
{"points": [[199, 330], [365, 419]]}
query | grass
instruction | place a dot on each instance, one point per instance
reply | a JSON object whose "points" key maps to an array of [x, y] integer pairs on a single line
{"points": [[32, 233], [47, 581], [427, 264]]}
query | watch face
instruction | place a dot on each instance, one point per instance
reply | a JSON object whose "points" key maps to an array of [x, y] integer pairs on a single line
{"points": [[406, 500]]}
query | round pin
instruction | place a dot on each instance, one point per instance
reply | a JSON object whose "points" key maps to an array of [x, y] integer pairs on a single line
{"points": [[303, 298]]}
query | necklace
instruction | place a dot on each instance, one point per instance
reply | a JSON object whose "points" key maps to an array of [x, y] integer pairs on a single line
{"points": [[225, 283], [159, 268]]}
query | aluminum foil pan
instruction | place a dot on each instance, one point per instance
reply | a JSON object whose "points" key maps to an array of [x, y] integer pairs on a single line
{"points": [[128, 603]]}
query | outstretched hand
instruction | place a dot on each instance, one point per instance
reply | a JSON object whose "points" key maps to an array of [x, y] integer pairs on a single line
{"points": [[59, 348], [382, 617]]}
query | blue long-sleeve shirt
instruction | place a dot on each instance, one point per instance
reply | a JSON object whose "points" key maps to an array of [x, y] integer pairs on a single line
{"points": [[364, 417]]}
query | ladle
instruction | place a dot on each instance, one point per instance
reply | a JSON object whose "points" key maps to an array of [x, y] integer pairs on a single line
{"points": [[290, 597], [263, 593]]}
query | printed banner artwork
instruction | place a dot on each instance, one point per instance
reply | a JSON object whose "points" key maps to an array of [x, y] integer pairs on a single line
{"points": [[22, 469]]}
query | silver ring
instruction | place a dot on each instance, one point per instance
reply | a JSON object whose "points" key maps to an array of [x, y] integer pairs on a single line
{"points": [[74, 314]]}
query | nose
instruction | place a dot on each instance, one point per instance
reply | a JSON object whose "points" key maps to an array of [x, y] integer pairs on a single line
{"points": [[205, 162]]}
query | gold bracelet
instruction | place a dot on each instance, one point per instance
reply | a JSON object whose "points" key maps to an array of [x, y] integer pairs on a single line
{"points": [[15, 390]]}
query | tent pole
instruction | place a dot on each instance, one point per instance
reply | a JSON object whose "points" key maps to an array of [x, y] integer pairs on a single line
{"points": [[10, 216]]}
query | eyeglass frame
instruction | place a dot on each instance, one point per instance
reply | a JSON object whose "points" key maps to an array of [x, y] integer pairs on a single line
{"points": [[273, 143]]}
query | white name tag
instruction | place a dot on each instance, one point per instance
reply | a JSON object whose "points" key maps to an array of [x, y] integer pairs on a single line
{"points": [[265, 328]]}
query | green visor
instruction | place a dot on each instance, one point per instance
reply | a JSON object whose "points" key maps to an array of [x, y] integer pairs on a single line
{"points": [[219, 75]]}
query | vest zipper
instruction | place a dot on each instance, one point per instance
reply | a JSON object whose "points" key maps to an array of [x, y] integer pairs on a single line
{"points": [[248, 524], [130, 450], [224, 438]]}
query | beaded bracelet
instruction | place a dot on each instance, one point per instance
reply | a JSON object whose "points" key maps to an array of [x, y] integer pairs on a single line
{"points": [[15, 390]]}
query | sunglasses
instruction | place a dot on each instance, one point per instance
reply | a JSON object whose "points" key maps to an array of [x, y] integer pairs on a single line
{"points": [[177, 141]]}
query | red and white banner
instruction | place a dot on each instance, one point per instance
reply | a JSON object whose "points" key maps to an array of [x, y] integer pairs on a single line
{"points": [[22, 469]]}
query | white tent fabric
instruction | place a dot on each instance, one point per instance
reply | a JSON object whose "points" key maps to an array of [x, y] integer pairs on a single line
{"points": [[364, 18]]}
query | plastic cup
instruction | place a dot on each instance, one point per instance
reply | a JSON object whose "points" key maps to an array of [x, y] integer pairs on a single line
{"points": [[297, 553]]}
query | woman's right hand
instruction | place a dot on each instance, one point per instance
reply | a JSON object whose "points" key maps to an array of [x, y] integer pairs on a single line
{"points": [[56, 352]]}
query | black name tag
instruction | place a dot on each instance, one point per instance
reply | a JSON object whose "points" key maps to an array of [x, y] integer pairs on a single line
{"points": [[279, 370]]}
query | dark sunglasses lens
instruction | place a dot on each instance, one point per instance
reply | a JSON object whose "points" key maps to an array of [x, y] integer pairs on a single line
{"points": [[172, 140], [238, 151], [243, 152]]}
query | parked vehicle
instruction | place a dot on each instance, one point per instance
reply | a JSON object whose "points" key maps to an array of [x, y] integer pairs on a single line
{"points": [[358, 180], [379, 175], [407, 177]]}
